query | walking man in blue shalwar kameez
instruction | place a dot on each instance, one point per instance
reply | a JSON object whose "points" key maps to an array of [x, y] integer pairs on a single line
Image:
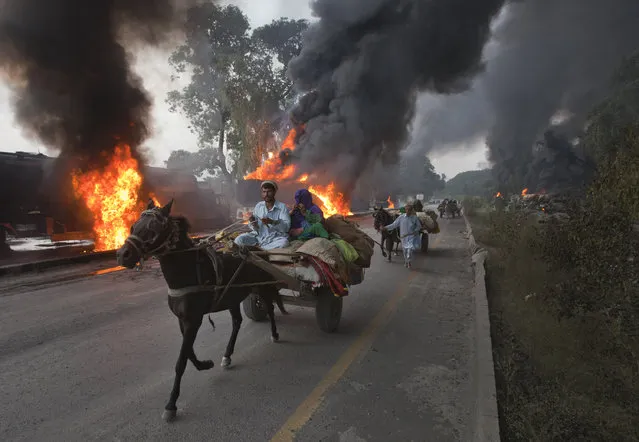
{"points": [[409, 232]]}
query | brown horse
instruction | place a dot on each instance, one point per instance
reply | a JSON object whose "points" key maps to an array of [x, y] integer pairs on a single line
{"points": [[200, 281]]}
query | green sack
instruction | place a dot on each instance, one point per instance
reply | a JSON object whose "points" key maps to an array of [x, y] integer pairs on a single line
{"points": [[313, 218], [313, 230], [348, 251]]}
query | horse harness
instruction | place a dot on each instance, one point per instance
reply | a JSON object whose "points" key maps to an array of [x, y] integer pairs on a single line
{"points": [[167, 246]]}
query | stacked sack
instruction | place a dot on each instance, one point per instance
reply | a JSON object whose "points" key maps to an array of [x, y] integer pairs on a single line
{"points": [[429, 221], [348, 231]]}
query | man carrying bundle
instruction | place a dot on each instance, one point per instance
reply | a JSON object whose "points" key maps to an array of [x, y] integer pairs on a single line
{"points": [[409, 232], [270, 222]]}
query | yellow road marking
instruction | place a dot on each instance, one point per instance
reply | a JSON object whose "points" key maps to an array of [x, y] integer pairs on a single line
{"points": [[312, 402]]}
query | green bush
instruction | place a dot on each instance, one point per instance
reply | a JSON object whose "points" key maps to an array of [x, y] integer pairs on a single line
{"points": [[473, 204], [564, 295], [565, 313]]}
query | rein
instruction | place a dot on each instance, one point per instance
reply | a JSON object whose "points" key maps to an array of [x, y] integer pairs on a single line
{"points": [[167, 247]]}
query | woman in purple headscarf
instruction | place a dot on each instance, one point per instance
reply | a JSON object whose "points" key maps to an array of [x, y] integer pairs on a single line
{"points": [[303, 204]]}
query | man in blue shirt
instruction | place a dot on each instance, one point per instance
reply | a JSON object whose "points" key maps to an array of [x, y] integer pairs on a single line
{"points": [[409, 232], [269, 223]]}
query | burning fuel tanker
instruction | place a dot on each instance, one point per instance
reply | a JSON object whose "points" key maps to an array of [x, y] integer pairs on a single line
{"points": [[105, 203]]}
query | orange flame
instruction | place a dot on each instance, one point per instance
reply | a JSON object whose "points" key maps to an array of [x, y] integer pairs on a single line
{"points": [[391, 204], [111, 195], [332, 201], [498, 195], [524, 192], [156, 201], [272, 168]]}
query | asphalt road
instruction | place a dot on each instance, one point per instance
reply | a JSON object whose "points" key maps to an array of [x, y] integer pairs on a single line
{"points": [[91, 357]]}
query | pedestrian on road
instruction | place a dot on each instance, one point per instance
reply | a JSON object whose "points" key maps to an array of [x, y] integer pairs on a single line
{"points": [[409, 232]]}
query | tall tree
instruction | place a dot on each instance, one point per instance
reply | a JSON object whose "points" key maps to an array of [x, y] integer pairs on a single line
{"points": [[237, 87], [182, 160], [268, 91], [217, 39]]}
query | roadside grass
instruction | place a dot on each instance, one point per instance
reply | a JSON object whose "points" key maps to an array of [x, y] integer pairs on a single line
{"points": [[565, 358]]}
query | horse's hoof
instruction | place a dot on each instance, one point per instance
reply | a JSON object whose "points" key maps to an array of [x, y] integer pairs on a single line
{"points": [[275, 338], [206, 365], [226, 362], [169, 415]]}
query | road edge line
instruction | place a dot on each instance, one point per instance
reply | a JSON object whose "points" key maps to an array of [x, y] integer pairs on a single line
{"points": [[486, 425]]}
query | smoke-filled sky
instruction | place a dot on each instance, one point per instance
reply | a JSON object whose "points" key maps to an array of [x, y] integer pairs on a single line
{"points": [[363, 62], [169, 131], [547, 57], [67, 65]]}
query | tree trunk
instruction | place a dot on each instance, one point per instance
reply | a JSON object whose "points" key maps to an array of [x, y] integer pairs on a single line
{"points": [[226, 114]]}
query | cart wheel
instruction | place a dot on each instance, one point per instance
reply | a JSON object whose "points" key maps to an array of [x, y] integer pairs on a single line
{"points": [[328, 310], [424, 242], [254, 307]]}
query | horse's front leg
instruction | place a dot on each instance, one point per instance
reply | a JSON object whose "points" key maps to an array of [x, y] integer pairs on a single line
{"points": [[236, 317], [189, 333], [199, 365]]}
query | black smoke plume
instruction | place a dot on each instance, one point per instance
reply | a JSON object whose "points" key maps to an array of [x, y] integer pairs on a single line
{"points": [[68, 64], [546, 58], [361, 66]]}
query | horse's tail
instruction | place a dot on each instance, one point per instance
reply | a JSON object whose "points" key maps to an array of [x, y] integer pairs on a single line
{"points": [[211, 322]]}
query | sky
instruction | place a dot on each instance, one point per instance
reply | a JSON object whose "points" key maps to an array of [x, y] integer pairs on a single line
{"points": [[170, 130]]}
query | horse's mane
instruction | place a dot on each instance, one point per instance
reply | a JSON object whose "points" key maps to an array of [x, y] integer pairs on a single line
{"points": [[184, 226], [182, 222]]}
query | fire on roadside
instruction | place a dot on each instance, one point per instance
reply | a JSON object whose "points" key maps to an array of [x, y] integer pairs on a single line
{"points": [[273, 168], [328, 197], [112, 195], [391, 204], [332, 201], [155, 200]]}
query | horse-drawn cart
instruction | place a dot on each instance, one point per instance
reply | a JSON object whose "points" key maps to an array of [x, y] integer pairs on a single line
{"points": [[429, 226], [303, 285], [428, 221], [309, 274]]}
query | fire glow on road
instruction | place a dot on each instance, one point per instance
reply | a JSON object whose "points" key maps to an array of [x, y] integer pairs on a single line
{"points": [[107, 271]]}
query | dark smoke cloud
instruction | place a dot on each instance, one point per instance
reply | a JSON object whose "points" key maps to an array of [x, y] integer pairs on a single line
{"points": [[549, 57], [69, 68], [363, 62]]}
